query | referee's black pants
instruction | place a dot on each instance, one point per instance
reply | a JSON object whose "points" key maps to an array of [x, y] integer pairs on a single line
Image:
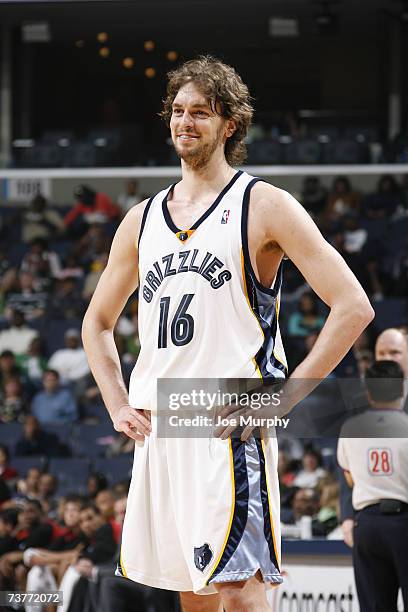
{"points": [[380, 557]]}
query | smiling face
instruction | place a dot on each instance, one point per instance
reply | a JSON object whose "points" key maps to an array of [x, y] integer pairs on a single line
{"points": [[196, 130]]}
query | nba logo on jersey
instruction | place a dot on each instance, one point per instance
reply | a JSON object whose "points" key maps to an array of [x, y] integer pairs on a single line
{"points": [[225, 216]]}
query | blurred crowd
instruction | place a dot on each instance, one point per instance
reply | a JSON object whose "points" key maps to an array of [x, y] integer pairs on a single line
{"points": [[50, 264]]}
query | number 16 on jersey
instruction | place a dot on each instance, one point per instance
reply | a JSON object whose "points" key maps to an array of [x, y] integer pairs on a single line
{"points": [[182, 325]]}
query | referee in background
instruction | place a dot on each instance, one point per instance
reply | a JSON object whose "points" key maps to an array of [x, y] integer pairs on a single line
{"points": [[373, 452]]}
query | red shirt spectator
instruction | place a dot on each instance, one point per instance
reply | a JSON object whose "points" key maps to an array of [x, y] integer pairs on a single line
{"points": [[92, 205]]}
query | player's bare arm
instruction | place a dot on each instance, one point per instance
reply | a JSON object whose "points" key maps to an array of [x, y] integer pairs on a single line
{"points": [[118, 281], [278, 223]]}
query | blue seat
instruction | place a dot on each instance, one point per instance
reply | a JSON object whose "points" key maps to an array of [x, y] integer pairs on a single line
{"points": [[264, 152], [62, 430], [92, 440], [72, 474], [23, 464], [345, 152], [9, 434], [115, 468], [390, 312], [303, 152]]}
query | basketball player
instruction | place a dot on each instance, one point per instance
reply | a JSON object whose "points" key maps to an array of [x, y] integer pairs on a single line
{"points": [[206, 253]]}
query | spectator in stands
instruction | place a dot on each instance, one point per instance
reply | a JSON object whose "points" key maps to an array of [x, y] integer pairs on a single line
{"points": [[33, 363], [285, 469], [71, 362], [311, 471], [71, 534], [49, 565], [38, 221], [105, 502], [365, 360], [305, 502], [32, 531], [42, 263], [8, 284], [130, 197], [121, 488], [28, 487], [47, 488], [313, 196], [27, 299], [55, 404], [13, 406], [8, 524], [96, 482], [71, 268], [355, 236], [7, 472], [327, 517], [384, 202], [101, 548], [18, 336], [8, 366], [307, 319], [120, 509], [66, 301], [286, 476], [92, 245], [90, 207], [342, 199], [35, 441], [392, 345]]}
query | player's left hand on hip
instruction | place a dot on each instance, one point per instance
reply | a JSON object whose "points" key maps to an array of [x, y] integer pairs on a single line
{"points": [[231, 421]]}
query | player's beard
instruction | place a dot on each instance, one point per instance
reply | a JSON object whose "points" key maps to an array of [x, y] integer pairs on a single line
{"points": [[200, 156]]}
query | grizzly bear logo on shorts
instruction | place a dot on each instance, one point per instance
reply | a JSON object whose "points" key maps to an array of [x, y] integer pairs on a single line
{"points": [[202, 556]]}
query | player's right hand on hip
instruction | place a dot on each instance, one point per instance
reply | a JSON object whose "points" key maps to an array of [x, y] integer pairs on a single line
{"points": [[133, 422]]}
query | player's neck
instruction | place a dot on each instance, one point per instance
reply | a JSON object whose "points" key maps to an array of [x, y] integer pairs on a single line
{"points": [[214, 175], [395, 405]]}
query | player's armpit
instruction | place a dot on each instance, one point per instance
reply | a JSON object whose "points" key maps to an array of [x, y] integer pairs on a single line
{"points": [[120, 277]]}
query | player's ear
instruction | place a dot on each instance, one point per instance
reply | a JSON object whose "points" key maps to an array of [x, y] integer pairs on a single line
{"points": [[230, 127]]}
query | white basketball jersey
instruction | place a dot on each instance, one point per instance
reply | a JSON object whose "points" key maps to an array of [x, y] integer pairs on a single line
{"points": [[202, 511], [202, 312]]}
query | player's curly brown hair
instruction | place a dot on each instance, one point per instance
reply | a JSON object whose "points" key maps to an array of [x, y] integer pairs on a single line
{"points": [[226, 93]]}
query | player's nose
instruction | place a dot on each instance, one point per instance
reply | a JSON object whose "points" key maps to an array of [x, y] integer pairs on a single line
{"points": [[186, 119]]}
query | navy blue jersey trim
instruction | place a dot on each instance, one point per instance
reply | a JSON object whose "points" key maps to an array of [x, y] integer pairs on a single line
{"points": [[144, 218], [166, 213], [239, 520], [244, 237], [203, 217], [265, 506], [266, 314]]}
